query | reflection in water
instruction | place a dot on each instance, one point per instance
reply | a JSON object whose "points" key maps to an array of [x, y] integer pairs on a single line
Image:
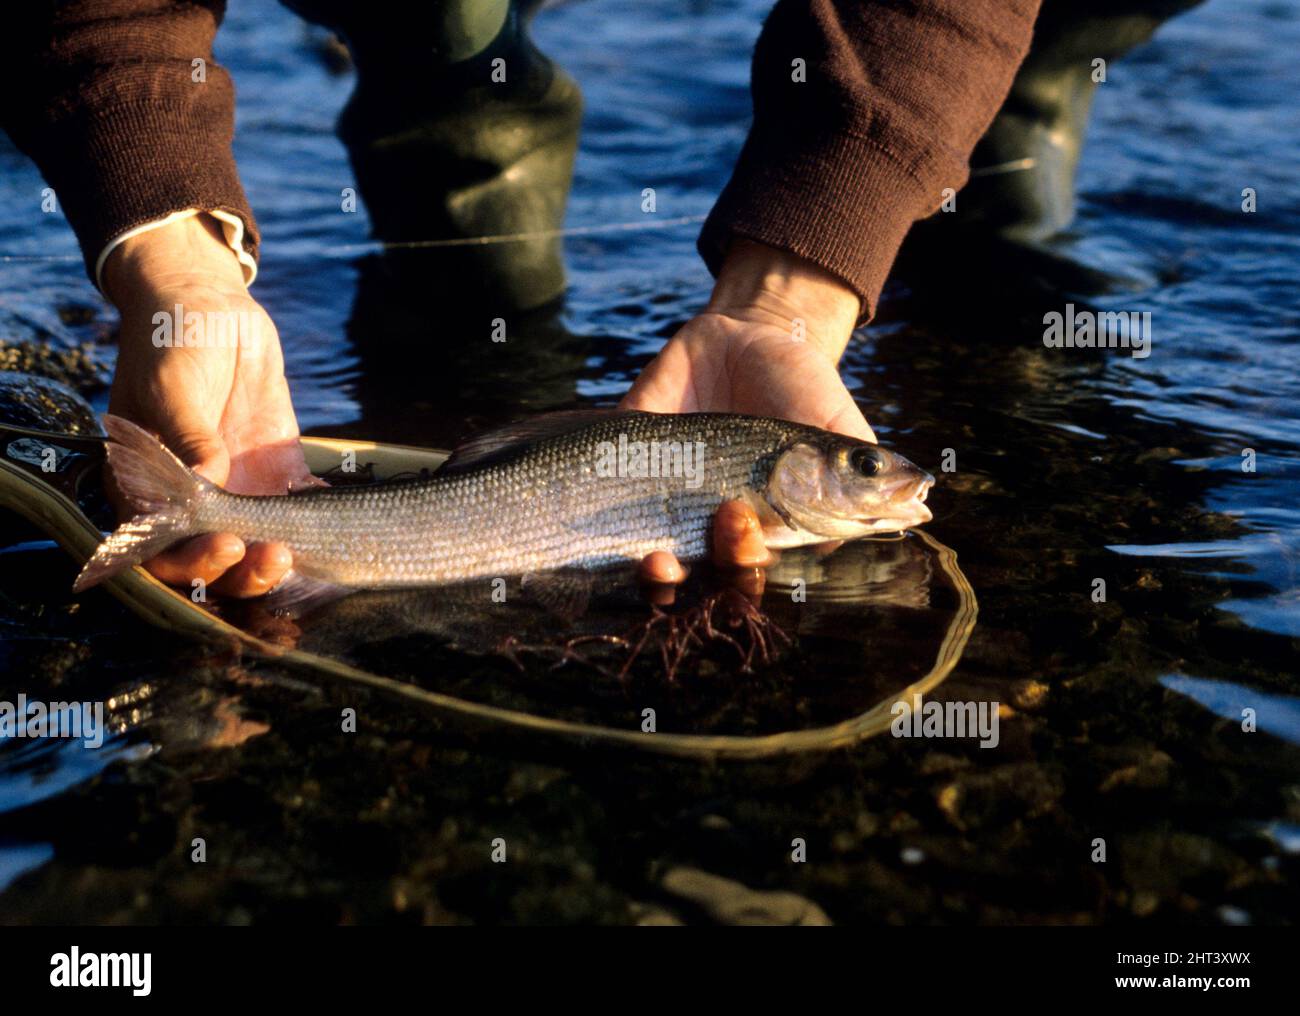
{"points": [[36, 769], [888, 572], [18, 858], [393, 326], [1278, 715], [1261, 568], [712, 662]]}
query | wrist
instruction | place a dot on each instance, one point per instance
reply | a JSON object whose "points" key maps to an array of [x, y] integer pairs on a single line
{"points": [[188, 252], [766, 285]]}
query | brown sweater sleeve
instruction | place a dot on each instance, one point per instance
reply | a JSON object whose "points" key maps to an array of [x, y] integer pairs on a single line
{"points": [[837, 167], [103, 95]]}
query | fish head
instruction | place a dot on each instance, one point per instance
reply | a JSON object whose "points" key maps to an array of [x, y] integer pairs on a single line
{"points": [[834, 487]]}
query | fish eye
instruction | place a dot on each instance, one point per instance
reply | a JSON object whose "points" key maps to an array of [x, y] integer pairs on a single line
{"points": [[867, 461]]}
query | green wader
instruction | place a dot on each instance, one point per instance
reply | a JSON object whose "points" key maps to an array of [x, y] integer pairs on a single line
{"points": [[459, 127], [1023, 169]]}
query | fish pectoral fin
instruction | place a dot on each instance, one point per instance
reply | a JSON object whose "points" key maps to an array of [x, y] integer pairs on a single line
{"points": [[297, 595], [565, 592]]}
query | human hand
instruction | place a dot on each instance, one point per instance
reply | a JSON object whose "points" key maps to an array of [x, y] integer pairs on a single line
{"points": [[221, 404], [767, 345]]}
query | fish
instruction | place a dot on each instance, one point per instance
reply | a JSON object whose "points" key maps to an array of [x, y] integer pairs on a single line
{"points": [[568, 490]]}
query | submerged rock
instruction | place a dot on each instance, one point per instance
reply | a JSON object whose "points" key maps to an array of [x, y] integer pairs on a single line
{"points": [[729, 902], [41, 403]]}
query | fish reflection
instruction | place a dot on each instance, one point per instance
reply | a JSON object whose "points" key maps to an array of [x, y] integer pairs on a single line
{"points": [[806, 591]]}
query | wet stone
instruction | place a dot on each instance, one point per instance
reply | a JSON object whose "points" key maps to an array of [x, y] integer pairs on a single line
{"points": [[728, 902]]}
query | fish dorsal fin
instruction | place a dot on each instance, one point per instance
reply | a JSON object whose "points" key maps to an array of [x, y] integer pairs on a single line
{"points": [[502, 443]]}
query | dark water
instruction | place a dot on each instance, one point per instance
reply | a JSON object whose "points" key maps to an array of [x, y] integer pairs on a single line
{"points": [[1123, 719]]}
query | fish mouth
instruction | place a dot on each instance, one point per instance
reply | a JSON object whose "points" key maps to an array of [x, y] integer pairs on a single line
{"points": [[917, 489], [906, 504]]}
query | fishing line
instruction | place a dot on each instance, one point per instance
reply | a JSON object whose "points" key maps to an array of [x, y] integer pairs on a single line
{"points": [[1014, 166], [379, 246], [539, 234]]}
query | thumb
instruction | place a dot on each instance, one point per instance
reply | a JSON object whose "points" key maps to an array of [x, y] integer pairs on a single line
{"points": [[848, 419], [196, 443]]}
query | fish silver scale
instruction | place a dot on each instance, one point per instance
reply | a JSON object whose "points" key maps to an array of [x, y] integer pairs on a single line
{"points": [[543, 508]]}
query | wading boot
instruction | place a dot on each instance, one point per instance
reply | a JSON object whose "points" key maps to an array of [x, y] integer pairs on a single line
{"points": [[1022, 184], [1023, 169], [459, 128]]}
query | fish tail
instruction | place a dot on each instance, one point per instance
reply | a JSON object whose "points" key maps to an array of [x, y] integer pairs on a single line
{"points": [[163, 492]]}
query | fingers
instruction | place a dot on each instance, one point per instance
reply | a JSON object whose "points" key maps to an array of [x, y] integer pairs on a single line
{"points": [[224, 565], [662, 568], [737, 543], [205, 557], [738, 537], [263, 566], [750, 582], [739, 550], [661, 589]]}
